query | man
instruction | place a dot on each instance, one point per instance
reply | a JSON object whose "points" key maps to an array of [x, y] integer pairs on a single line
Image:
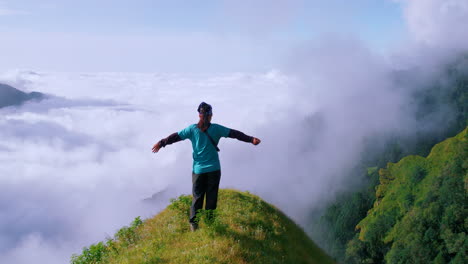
{"points": [[206, 172]]}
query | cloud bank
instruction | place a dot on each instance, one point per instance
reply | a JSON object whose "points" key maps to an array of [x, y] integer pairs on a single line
{"points": [[74, 166], [438, 23]]}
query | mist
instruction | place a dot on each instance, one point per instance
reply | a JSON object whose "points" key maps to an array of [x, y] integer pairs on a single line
{"points": [[77, 165]]}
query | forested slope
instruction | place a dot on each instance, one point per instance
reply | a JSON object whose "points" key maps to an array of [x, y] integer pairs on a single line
{"points": [[420, 214], [440, 110]]}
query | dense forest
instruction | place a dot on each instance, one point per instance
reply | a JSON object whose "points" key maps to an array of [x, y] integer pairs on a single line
{"points": [[426, 223]]}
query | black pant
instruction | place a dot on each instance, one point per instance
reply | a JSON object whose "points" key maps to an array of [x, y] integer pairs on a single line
{"points": [[204, 183]]}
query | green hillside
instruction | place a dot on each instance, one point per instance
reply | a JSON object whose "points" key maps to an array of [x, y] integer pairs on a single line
{"points": [[246, 230], [420, 213], [440, 111]]}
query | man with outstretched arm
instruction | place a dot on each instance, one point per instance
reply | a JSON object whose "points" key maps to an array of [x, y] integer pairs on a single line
{"points": [[206, 172]]}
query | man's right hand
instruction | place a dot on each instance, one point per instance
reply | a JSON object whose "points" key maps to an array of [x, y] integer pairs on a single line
{"points": [[156, 147], [256, 141]]}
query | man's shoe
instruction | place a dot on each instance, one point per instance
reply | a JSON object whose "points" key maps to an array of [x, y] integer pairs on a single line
{"points": [[193, 227]]}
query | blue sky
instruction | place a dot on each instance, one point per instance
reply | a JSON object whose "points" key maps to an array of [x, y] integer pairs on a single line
{"points": [[244, 35]]}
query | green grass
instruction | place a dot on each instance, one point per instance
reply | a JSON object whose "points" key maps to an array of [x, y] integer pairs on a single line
{"points": [[245, 230]]}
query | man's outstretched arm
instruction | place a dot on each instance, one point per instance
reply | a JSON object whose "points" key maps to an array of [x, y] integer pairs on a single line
{"points": [[173, 138], [243, 137]]}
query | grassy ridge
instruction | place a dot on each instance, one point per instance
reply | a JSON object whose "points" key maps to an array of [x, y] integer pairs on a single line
{"points": [[420, 214], [245, 230]]}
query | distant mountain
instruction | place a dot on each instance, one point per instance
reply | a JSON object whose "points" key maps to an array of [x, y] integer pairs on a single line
{"points": [[158, 196], [10, 96], [246, 229]]}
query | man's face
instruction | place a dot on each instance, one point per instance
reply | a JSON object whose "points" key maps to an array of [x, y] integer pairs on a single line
{"points": [[209, 117]]}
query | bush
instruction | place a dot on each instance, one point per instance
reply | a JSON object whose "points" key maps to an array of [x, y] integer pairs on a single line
{"points": [[98, 253]]}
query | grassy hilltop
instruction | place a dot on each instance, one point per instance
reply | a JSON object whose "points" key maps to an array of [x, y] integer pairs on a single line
{"points": [[245, 230]]}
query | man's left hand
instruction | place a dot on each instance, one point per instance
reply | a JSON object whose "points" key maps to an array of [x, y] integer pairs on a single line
{"points": [[256, 141]]}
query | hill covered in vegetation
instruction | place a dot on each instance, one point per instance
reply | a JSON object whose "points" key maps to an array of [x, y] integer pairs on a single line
{"points": [[246, 229], [420, 213], [440, 111]]}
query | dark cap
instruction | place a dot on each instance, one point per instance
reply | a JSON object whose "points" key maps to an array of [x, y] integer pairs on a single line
{"points": [[205, 109]]}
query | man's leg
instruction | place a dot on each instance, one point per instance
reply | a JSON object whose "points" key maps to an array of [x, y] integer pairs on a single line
{"points": [[212, 187], [198, 193]]}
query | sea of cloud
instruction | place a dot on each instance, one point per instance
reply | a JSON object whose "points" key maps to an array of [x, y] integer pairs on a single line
{"points": [[77, 166]]}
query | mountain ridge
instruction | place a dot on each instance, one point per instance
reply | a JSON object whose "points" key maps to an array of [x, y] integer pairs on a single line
{"points": [[10, 96], [245, 229]]}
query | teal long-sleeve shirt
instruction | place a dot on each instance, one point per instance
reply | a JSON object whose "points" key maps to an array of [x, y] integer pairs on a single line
{"points": [[205, 155]]}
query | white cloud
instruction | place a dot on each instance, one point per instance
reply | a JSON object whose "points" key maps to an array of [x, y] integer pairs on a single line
{"points": [[75, 170], [438, 22]]}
